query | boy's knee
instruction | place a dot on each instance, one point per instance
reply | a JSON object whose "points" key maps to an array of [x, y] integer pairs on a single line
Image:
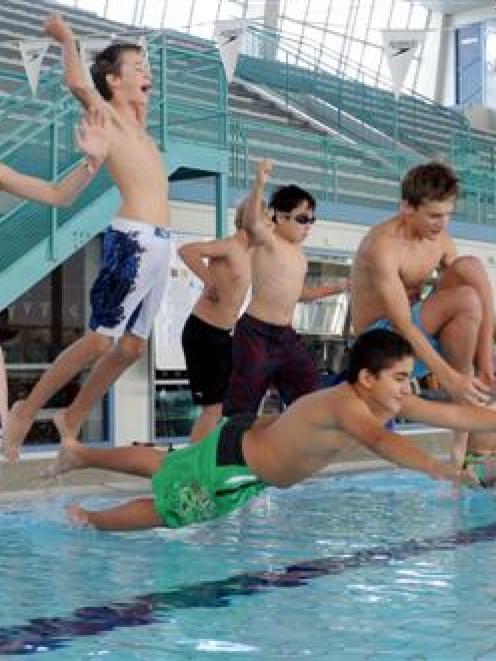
{"points": [[467, 265], [469, 302], [100, 344], [130, 348]]}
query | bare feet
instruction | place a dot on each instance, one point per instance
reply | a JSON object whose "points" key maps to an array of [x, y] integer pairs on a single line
{"points": [[18, 424], [77, 515], [68, 459], [63, 427]]}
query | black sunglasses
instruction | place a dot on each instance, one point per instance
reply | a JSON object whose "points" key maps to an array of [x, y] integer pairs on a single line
{"points": [[303, 219]]}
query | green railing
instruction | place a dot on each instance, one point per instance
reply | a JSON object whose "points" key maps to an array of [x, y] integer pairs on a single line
{"points": [[299, 78], [190, 103], [37, 135], [346, 174]]}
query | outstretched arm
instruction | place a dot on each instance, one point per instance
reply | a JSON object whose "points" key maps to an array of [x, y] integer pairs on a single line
{"points": [[309, 293], [74, 74], [92, 140], [357, 421], [460, 417]]}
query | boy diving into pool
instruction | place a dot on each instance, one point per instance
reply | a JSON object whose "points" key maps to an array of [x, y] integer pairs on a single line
{"points": [[243, 456]]}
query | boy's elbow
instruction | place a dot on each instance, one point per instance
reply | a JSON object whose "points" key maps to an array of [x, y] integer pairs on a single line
{"points": [[58, 199]]}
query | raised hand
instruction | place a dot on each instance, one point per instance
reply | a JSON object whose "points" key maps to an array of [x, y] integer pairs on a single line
{"points": [[56, 27], [264, 169], [93, 139]]}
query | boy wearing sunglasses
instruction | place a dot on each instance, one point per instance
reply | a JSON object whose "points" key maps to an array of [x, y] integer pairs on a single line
{"points": [[266, 349]]}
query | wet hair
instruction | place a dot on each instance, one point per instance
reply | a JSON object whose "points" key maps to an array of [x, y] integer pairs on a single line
{"points": [[376, 350], [289, 197], [109, 61], [430, 182]]}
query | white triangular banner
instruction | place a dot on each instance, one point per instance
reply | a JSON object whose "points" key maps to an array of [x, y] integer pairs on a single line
{"points": [[88, 48], [400, 47], [229, 35], [32, 54]]}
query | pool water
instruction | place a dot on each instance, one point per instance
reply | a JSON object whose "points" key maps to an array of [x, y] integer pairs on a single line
{"points": [[386, 565]]}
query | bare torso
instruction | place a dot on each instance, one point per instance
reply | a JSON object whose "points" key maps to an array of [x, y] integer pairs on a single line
{"points": [[416, 260], [136, 166], [303, 440], [232, 277], [278, 274]]}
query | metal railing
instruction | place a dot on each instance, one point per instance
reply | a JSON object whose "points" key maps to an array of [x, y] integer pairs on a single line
{"points": [[37, 135]]}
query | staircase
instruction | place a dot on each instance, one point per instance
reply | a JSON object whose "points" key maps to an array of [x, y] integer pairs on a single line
{"points": [[37, 137]]}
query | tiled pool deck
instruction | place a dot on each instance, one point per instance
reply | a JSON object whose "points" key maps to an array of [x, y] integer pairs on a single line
{"points": [[24, 480]]}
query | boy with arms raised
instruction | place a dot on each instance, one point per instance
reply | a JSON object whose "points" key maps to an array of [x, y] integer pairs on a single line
{"points": [[207, 333], [266, 348], [129, 288]]}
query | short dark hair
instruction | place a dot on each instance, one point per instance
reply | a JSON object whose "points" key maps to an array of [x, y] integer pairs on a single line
{"points": [[376, 350], [109, 61], [430, 182], [289, 197]]}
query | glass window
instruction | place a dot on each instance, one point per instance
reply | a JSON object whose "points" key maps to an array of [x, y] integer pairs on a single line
{"points": [[400, 14], [37, 327], [490, 65], [334, 43], [418, 17], [380, 14], [202, 20], [152, 16], [317, 12], [96, 6], [226, 10], [177, 15], [371, 58], [296, 9], [355, 53], [334, 30], [121, 11], [311, 40], [175, 412], [362, 19]]}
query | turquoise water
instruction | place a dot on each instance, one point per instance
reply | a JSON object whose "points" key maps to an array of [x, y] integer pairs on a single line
{"points": [[386, 565]]}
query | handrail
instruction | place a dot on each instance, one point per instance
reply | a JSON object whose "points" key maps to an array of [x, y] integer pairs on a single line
{"points": [[183, 110], [50, 137], [330, 158], [277, 37]]}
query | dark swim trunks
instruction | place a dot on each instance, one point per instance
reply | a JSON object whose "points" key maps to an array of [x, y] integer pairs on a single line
{"points": [[207, 479], [264, 355], [208, 353]]}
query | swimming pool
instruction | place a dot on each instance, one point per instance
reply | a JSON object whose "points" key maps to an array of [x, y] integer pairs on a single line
{"points": [[385, 565]]}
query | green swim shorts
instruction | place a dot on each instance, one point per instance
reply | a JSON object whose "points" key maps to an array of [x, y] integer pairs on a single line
{"points": [[207, 479], [484, 467]]}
